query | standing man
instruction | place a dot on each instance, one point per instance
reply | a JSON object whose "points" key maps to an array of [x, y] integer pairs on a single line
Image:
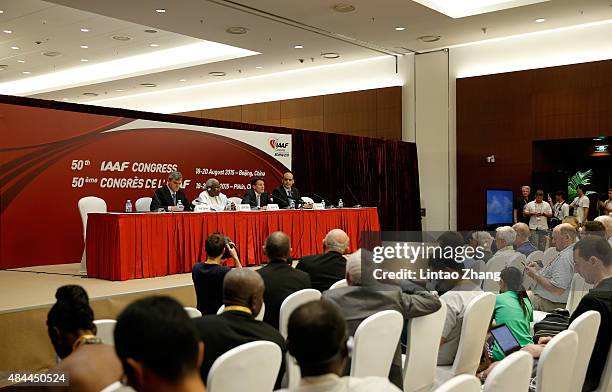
{"points": [[519, 205], [560, 208], [213, 197], [287, 192], [538, 213], [606, 206], [169, 196], [581, 205], [256, 196]]}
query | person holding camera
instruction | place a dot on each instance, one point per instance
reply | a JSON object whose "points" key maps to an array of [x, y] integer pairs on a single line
{"points": [[208, 276]]}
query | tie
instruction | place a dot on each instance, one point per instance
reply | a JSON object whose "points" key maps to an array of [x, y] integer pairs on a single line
{"points": [[289, 192], [257, 200], [174, 197]]}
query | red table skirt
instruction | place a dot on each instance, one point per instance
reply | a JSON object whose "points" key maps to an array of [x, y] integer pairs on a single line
{"points": [[132, 246]]}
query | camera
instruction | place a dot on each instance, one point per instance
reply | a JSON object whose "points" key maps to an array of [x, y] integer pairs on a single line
{"points": [[230, 243]]}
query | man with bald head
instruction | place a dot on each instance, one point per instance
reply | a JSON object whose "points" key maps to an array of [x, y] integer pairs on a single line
{"points": [[287, 192], [606, 220], [280, 278], [522, 243], [213, 197], [327, 268], [243, 291]]}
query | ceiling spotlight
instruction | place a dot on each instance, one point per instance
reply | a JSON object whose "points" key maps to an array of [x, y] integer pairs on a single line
{"points": [[119, 90], [399, 28], [90, 94], [7, 31], [216, 73], [344, 8], [540, 20], [15, 47], [298, 47], [85, 30], [330, 55], [429, 38], [259, 67], [1, 12], [148, 84], [154, 45], [2, 66], [84, 60], [21, 61], [121, 38], [26, 72], [236, 30], [160, 10], [150, 31], [84, 47], [182, 80], [51, 54]]}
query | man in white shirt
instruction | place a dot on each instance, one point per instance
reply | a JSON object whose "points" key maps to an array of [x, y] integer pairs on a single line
{"points": [[560, 208], [538, 212], [317, 339], [504, 239], [606, 220], [581, 205], [213, 197]]}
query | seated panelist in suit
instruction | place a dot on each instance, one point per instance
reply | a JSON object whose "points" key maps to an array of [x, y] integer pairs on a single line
{"points": [[284, 193], [256, 196], [168, 197]]}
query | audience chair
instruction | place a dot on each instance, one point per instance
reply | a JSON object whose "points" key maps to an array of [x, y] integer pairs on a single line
{"points": [[536, 255], [375, 343], [586, 327], [143, 204], [86, 205], [422, 344], [556, 363], [338, 284], [461, 383], [259, 316], [549, 255], [578, 289], [249, 367], [473, 332], [511, 374], [307, 199], [105, 330], [193, 312], [605, 383]]}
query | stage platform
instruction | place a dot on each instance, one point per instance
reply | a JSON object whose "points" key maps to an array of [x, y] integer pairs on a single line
{"points": [[27, 294]]}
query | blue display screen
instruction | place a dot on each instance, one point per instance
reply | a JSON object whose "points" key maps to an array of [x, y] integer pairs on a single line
{"points": [[499, 207]]}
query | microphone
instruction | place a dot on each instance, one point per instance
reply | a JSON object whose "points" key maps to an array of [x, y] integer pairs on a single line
{"points": [[298, 200], [357, 205], [322, 198]]}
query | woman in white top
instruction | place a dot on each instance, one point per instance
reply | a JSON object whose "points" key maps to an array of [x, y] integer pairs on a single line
{"points": [[581, 205]]}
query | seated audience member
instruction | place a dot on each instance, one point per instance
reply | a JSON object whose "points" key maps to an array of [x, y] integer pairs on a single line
{"points": [[607, 222], [519, 205], [483, 240], [327, 268], [593, 261], [457, 294], [581, 204], [317, 339], [208, 276], [554, 280], [243, 291], [560, 208], [573, 221], [593, 228], [256, 196], [169, 196], [90, 365], [358, 302], [279, 277], [159, 346], [522, 243], [505, 237], [606, 205], [287, 192], [213, 197]]}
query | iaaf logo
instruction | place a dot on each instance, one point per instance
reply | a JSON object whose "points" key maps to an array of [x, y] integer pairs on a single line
{"points": [[276, 145]]}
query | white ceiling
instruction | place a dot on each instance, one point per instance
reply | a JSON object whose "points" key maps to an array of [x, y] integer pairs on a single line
{"points": [[274, 27]]}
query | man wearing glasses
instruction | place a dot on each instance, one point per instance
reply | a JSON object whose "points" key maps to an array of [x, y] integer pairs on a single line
{"points": [[213, 197]]}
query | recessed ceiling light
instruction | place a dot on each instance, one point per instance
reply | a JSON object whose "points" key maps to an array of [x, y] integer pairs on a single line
{"points": [[342, 7], [182, 80], [90, 94], [399, 28], [429, 38], [84, 47], [540, 20], [21, 61], [330, 55], [85, 30], [160, 10], [84, 60], [259, 67], [7, 31], [26, 72], [2, 66], [51, 54], [298, 47], [119, 90], [148, 84], [236, 30], [121, 38], [217, 73], [463, 8], [15, 47], [150, 31], [1, 12], [154, 45]]}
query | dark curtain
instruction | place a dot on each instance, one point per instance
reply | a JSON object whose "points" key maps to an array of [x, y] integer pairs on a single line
{"points": [[381, 173]]}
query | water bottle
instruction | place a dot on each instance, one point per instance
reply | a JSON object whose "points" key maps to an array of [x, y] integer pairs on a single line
{"points": [[180, 205], [323, 203], [128, 206], [340, 203], [291, 204]]}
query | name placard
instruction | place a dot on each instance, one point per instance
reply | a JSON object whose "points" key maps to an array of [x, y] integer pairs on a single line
{"points": [[273, 207], [318, 206], [202, 208], [245, 207]]}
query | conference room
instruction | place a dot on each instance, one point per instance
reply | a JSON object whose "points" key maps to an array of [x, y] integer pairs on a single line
{"points": [[408, 195]]}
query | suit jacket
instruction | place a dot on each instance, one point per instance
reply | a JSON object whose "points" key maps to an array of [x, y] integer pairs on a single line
{"points": [[280, 196], [231, 329], [250, 198], [358, 303], [324, 270], [281, 280], [162, 198]]}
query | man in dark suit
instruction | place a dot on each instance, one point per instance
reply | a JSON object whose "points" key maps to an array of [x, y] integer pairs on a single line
{"points": [[243, 291], [327, 268], [286, 192], [168, 197], [256, 196], [280, 278], [358, 302]]}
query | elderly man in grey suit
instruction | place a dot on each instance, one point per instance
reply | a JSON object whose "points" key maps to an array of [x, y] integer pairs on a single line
{"points": [[363, 298]]}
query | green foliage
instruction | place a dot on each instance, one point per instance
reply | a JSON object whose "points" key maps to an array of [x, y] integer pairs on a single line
{"points": [[583, 178]]}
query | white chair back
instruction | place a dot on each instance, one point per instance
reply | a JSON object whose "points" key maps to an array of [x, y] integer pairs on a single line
{"points": [[86, 205], [292, 302], [259, 316], [462, 383], [236, 200], [605, 383], [549, 255], [143, 204], [495, 264], [556, 364], [338, 284], [376, 340], [105, 330], [423, 342], [192, 312], [536, 255], [520, 263], [586, 327], [578, 289], [307, 199], [511, 374], [473, 332], [234, 370]]}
